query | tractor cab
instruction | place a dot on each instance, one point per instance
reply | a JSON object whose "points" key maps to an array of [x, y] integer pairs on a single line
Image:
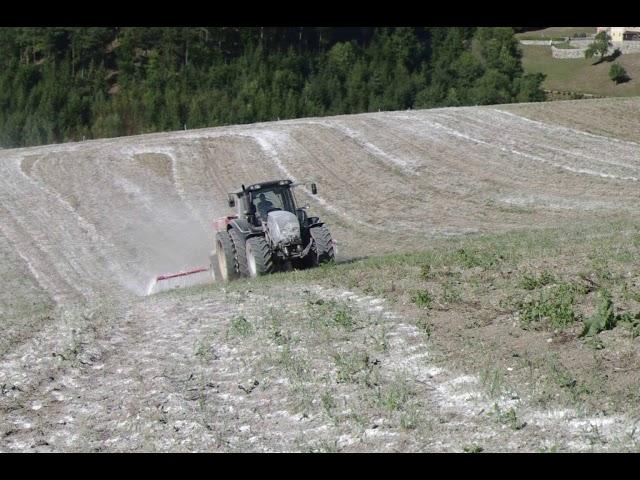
{"points": [[257, 200], [267, 198]]}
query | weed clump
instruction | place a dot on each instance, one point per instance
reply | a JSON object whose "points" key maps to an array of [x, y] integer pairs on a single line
{"points": [[472, 449], [631, 321], [395, 396], [450, 294], [240, 327], [425, 271], [356, 367], [533, 282], [343, 318], [510, 418], [474, 258], [603, 319], [566, 380], [422, 299], [332, 313], [551, 310]]}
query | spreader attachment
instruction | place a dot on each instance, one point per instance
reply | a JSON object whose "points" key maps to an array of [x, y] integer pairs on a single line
{"points": [[187, 278]]}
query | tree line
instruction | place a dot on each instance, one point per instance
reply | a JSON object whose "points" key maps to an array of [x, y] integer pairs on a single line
{"points": [[67, 84]]}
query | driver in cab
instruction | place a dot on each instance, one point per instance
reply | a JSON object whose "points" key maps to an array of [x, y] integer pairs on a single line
{"points": [[264, 206]]}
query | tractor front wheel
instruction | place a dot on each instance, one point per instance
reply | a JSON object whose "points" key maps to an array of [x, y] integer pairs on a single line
{"points": [[260, 259], [322, 248]]}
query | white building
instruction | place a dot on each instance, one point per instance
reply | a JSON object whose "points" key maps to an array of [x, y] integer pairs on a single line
{"points": [[620, 34]]}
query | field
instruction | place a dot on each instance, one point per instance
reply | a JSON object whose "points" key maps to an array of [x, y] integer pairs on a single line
{"points": [[476, 246], [581, 75]]}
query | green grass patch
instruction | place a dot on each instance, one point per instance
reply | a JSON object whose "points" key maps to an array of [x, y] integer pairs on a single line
{"points": [[355, 367], [395, 396], [580, 74], [470, 258], [533, 282], [422, 299], [551, 309], [240, 327], [473, 448], [603, 319], [333, 314], [450, 293], [548, 276], [564, 45], [568, 381], [509, 417], [492, 379]]}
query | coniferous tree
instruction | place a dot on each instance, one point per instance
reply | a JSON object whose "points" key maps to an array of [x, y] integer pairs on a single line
{"points": [[60, 84]]}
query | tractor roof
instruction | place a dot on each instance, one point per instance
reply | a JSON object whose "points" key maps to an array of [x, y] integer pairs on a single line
{"points": [[261, 185]]}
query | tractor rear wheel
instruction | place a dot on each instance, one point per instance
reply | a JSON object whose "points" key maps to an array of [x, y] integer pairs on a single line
{"points": [[241, 254], [226, 256], [260, 259], [214, 267], [322, 248]]}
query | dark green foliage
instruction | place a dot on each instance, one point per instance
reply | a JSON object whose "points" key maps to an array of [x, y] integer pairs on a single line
{"points": [[631, 322], [469, 258], [423, 299], [551, 309], [600, 46], [67, 84], [603, 319], [617, 73], [531, 282], [240, 327]]}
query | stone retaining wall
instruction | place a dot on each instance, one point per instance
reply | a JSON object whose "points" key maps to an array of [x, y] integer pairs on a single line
{"points": [[536, 42], [624, 47], [567, 52], [631, 46]]}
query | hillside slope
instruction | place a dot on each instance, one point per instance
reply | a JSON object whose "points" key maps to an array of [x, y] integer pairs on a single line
{"points": [[84, 218], [425, 354]]}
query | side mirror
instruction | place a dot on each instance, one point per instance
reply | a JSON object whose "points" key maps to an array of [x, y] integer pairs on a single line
{"points": [[314, 189], [232, 201]]}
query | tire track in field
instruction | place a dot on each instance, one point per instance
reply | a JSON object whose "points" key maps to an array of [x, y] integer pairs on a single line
{"points": [[23, 202], [267, 141], [570, 142], [360, 140], [104, 248], [507, 149]]}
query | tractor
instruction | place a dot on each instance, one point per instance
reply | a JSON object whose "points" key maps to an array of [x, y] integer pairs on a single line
{"points": [[268, 233]]}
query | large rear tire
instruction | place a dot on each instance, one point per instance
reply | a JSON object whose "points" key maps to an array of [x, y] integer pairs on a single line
{"points": [[260, 259], [241, 255], [226, 256], [322, 247]]}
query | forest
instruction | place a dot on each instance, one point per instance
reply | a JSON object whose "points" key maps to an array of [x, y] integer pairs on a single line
{"points": [[61, 84]]}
